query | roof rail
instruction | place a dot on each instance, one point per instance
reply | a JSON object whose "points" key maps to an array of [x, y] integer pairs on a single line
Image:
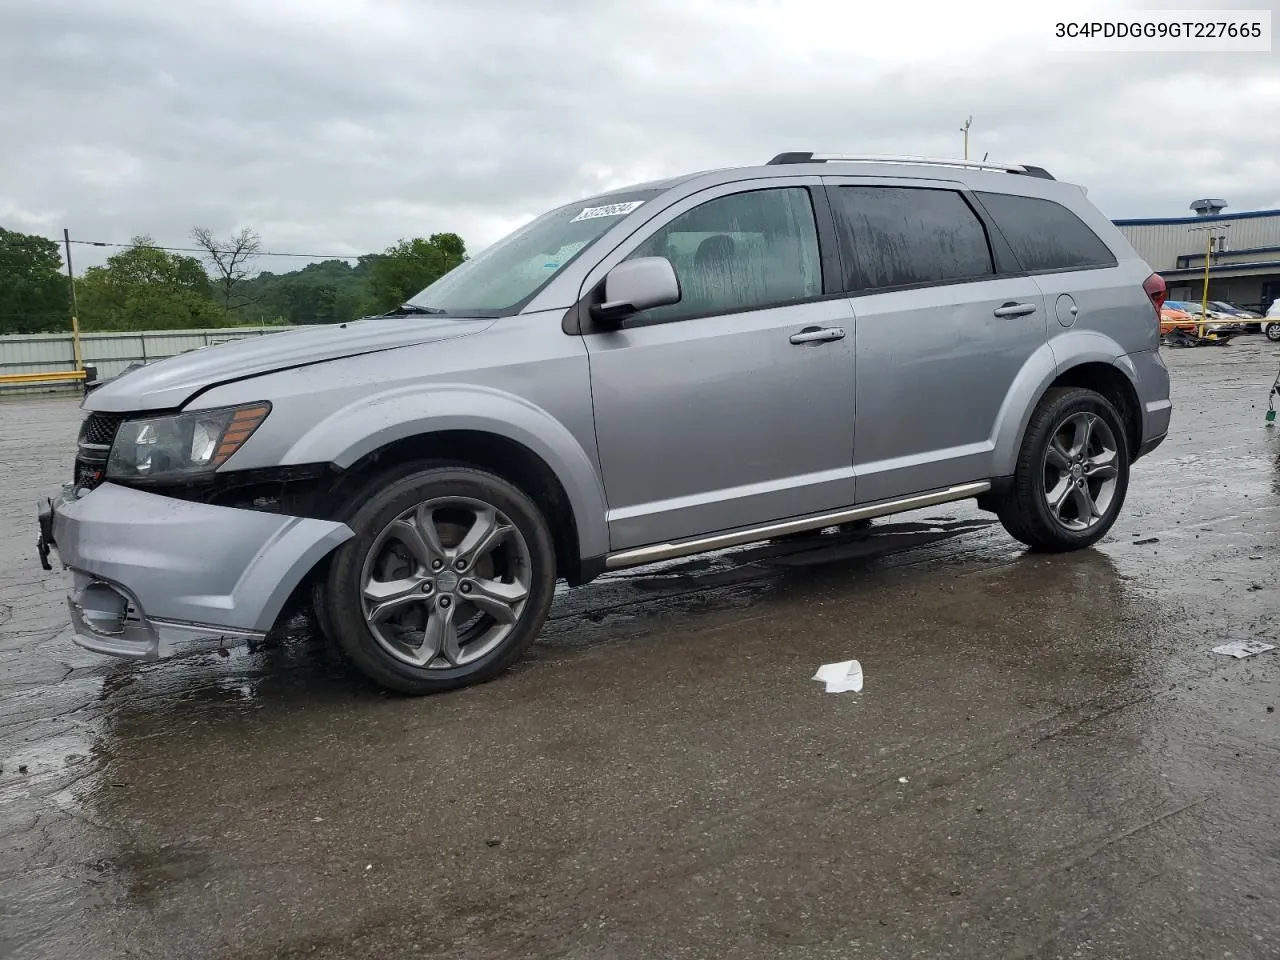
{"points": [[808, 157]]}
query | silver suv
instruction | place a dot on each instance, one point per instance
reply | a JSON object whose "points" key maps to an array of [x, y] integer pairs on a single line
{"points": [[677, 367]]}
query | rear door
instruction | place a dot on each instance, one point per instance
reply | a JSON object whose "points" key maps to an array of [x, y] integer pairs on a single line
{"points": [[733, 407], [943, 327]]}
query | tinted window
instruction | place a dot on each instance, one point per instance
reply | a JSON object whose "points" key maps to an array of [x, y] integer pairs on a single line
{"points": [[1045, 235], [907, 235], [739, 252]]}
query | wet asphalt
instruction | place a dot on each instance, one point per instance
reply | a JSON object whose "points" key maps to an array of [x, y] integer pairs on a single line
{"points": [[1046, 759]]}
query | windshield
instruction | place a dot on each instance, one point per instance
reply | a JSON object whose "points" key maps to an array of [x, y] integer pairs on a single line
{"points": [[501, 278]]}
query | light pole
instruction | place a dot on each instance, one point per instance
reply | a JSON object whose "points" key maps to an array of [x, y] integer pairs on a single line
{"points": [[1212, 237], [965, 131]]}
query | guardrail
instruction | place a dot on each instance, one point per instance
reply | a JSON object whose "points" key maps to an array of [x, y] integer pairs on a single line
{"points": [[49, 376]]}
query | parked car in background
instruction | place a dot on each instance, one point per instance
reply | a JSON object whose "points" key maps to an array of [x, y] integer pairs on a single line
{"points": [[668, 369], [1232, 310], [1271, 324], [1215, 321], [1248, 320]]}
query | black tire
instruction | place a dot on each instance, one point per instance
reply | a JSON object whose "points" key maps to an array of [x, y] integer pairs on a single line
{"points": [[1024, 511], [376, 506], [320, 611], [1272, 331]]}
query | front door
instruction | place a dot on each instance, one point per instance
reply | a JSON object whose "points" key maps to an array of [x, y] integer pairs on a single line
{"points": [[941, 334], [733, 407]]}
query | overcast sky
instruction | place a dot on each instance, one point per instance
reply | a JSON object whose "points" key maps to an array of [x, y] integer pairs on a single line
{"points": [[339, 126]]}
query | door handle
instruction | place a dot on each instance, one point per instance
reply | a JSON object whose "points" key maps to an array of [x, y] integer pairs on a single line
{"points": [[1012, 309], [818, 335]]}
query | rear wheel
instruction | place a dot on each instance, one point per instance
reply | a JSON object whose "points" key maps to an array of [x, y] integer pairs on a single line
{"points": [[1272, 331], [446, 583], [1072, 473]]}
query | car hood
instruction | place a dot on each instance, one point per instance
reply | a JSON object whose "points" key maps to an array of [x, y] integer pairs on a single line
{"points": [[168, 384]]}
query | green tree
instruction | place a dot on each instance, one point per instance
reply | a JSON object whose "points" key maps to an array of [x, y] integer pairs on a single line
{"points": [[33, 290], [331, 291], [402, 270], [144, 288]]}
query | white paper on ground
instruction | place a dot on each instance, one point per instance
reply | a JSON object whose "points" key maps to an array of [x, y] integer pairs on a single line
{"points": [[1243, 648], [841, 677]]}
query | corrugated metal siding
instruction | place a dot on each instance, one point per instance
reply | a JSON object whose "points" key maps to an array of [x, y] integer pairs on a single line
{"points": [[36, 354], [109, 352], [1160, 244]]}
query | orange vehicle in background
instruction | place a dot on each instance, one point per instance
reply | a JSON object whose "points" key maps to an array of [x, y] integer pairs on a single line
{"points": [[1172, 318]]}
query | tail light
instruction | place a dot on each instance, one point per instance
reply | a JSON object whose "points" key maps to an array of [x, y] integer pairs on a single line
{"points": [[1155, 289]]}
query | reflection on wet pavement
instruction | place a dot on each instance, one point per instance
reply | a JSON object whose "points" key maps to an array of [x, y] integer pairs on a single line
{"points": [[661, 778]]}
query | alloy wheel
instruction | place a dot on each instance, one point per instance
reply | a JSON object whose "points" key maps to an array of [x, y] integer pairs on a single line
{"points": [[1081, 471], [445, 583]]}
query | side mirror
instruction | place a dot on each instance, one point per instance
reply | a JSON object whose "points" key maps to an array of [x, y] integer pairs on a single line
{"points": [[636, 285]]}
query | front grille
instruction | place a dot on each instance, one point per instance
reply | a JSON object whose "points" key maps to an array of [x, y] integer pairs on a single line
{"points": [[100, 429]]}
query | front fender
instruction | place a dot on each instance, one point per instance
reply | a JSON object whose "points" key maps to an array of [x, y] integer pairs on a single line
{"points": [[373, 422]]}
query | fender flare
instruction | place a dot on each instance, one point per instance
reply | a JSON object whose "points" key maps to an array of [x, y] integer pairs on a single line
{"points": [[1050, 361], [373, 422]]}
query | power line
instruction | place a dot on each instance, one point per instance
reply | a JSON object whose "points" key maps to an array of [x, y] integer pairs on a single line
{"points": [[262, 253]]}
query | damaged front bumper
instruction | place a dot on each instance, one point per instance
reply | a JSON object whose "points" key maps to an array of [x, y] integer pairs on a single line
{"points": [[152, 575]]}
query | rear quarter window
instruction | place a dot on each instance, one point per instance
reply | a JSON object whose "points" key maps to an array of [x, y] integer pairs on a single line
{"points": [[1046, 236], [908, 236]]}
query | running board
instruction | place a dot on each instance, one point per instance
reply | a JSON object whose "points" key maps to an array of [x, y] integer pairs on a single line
{"points": [[668, 551]]}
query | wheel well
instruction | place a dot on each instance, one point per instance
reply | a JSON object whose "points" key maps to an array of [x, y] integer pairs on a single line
{"points": [[1105, 379], [508, 459]]}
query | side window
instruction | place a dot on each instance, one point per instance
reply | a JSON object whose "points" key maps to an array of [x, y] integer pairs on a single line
{"points": [[1045, 235], [740, 252], [910, 235]]}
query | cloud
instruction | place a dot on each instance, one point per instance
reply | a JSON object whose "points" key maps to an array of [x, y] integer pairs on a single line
{"points": [[340, 127]]}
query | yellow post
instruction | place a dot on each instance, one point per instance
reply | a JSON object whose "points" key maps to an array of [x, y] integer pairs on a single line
{"points": [[1204, 298], [75, 341]]}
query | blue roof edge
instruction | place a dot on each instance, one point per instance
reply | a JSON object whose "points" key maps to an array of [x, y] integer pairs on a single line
{"points": [[1167, 221]]}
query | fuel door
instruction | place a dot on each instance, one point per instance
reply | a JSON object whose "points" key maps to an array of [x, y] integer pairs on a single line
{"points": [[1066, 310]]}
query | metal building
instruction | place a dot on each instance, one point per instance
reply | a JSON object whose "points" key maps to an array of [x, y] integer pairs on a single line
{"points": [[1243, 251]]}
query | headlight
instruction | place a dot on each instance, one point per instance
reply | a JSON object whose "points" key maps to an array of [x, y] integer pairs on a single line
{"points": [[169, 447]]}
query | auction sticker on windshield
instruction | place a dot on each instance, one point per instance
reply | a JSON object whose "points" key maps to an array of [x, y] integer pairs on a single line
{"points": [[608, 210]]}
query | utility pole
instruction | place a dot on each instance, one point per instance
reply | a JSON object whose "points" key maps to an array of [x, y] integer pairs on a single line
{"points": [[1209, 239], [75, 318], [965, 131], [1204, 295]]}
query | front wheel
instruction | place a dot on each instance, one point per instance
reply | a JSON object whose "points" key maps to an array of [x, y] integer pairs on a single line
{"points": [[1072, 473], [1272, 331], [446, 583]]}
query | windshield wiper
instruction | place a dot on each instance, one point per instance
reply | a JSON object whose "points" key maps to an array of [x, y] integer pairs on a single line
{"points": [[406, 309]]}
